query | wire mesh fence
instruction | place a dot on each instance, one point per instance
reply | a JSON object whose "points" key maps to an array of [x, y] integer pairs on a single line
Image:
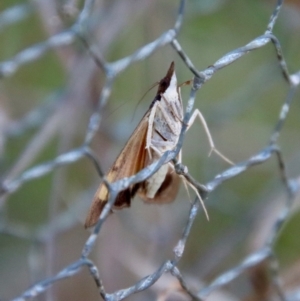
{"points": [[55, 122]]}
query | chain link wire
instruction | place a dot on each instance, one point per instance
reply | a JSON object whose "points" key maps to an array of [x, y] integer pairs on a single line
{"points": [[13, 182]]}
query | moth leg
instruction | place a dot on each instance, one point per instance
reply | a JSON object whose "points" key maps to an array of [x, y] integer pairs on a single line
{"points": [[198, 114], [198, 195], [183, 178], [186, 183]]}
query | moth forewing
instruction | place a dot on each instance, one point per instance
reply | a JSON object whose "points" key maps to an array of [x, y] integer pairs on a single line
{"points": [[130, 161]]}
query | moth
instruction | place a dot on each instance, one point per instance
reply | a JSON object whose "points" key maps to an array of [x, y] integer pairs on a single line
{"points": [[157, 132]]}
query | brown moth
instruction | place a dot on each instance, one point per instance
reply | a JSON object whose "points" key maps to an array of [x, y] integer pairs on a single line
{"points": [[157, 132]]}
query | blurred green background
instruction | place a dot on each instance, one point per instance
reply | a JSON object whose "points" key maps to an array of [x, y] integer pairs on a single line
{"points": [[42, 223]]}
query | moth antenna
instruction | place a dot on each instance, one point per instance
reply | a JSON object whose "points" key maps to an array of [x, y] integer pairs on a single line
{"points": [[140, 100], [115, 109]]}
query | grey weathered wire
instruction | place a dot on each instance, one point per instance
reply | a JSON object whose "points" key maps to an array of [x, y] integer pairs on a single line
{"points": [[14, 14], [112, 70]]}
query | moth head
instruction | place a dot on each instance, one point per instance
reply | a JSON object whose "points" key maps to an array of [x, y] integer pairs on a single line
{"points": [[169, 82]]}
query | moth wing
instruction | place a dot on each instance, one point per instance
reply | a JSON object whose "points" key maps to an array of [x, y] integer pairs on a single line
{"points": [[167, 191], [130, 161]]}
